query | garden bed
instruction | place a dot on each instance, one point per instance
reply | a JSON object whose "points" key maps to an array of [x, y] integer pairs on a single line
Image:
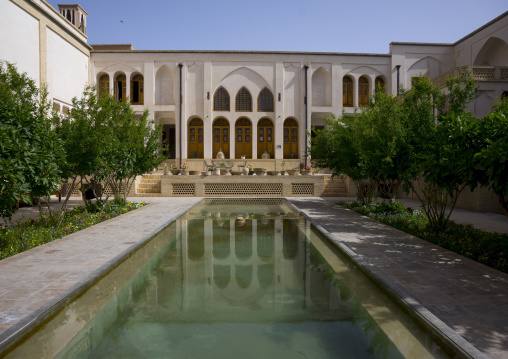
{"points": [[34, 232]]}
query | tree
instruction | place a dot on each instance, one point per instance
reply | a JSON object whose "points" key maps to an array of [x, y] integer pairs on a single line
{"points": [[30, 151], [441, 131], [106, 145], [492, 159]]}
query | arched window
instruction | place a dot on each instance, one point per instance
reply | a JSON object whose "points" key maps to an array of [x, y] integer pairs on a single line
{"points": [[363, 92], [221, 100], [121, 88], [380, 85], [290, 138], [137, 92], [243, 100], [347, 92], [221, 137], [103, 85], [195, 139], [265, 137], [265, 101], [243, 140]]}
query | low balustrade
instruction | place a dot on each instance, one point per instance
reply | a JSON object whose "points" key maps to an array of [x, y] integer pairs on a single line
{"points": [[479, 73]]}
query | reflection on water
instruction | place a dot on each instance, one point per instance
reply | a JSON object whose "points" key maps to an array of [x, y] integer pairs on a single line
{"points": [[212, 285]]}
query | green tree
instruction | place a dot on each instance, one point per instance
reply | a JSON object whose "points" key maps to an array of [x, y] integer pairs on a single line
{"points": [[30, 151], [492, 159]]}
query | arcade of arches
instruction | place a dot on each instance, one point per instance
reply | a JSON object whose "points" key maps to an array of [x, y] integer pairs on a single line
{"points": [[244, 134]]}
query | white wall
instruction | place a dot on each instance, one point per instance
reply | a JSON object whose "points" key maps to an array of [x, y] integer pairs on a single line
{"points": [[19, 39], [67, 68]]}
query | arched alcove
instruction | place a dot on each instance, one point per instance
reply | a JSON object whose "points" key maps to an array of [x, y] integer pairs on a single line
{"points": [[164, 86], [493, 53], [321, 88]]}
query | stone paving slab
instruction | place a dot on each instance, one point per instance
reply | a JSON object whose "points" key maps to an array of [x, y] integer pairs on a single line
{"points": [[32, 283], [464, 299]]}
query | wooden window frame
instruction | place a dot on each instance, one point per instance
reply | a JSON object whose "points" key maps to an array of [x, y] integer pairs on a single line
{"points": [[222, 103], [265, 100], [243, 99]]}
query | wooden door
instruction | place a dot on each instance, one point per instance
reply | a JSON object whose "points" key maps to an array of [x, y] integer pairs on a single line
{"points": [[290, 138], [121, 88], [221, 137], [363, 92], [243, 138], [265, 137], [195, 139], [347, 92]]}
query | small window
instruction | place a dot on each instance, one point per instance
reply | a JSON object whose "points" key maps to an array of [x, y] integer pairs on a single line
{"points": [[243, 100], [221, 100], [265, 101]]}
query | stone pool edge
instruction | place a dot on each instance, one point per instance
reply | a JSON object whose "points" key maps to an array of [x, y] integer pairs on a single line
{"points": [[13, 335], [414, 308]]}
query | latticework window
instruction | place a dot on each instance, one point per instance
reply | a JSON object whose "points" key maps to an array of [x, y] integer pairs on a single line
{"points": [[104, 85], [243, 100], [265, 101], [363, 91], [221, 100], [347, 92]]}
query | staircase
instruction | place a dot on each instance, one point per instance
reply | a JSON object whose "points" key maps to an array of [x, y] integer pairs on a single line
{"points": [[150, 186], [335, 187]]}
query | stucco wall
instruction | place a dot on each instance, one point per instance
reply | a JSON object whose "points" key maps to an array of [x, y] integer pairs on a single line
{"points": [[67, 68], [19, 39]]}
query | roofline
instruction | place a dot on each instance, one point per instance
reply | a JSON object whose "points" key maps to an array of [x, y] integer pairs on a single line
{"points": [[238, 52], [420, 43], [481, 28]]}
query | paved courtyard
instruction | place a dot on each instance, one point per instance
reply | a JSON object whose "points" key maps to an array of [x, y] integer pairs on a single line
{"points": [[465, 300]]}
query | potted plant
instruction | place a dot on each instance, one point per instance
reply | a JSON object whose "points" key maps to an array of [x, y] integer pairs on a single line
{"points": [[175, 170], [166, 172], [306, 171], [184, 170], [283, 171], [250, 169], [208, 171]]}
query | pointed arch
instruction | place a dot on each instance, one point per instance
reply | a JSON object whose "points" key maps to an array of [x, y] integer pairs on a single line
{"points": [[321, 88], [164, 86], [380, 84], [265, 100], [220, 136], [290, 138], [196, 239], [266, 135], [363, 91], [347, 91], [120, 87], [221, 99], [243, 138], [137, 89], [243, 102], [195, 138], [103, 85], [493, 53]]}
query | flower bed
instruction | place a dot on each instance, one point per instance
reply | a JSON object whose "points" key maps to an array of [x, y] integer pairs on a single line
{"points": [[34, 232], [487, 248]]}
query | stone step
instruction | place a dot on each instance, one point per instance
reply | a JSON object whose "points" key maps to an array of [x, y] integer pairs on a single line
{"points": [[149, 190], [150, 185]]}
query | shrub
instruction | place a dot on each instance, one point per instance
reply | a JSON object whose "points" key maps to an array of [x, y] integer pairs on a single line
{"points": [[484, 247]]}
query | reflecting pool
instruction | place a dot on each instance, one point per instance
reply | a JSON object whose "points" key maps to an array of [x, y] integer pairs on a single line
{"points": [[233, 279]]}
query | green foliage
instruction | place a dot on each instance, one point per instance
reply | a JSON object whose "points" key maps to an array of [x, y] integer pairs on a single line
{"points": [[487, 248], [492, 160], [30, 152], [32, 233]]}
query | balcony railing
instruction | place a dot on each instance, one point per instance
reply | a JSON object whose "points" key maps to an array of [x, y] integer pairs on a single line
{"points": [[480, 73]]}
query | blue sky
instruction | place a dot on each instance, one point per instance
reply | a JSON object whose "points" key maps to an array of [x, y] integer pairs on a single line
{"points": [[366, 26]]}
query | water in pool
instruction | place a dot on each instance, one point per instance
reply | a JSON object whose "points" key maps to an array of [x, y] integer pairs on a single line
{"points": [[216, 286]]}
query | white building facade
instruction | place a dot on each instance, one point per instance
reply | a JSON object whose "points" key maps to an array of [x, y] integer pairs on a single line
{"points": [[250, 104]]}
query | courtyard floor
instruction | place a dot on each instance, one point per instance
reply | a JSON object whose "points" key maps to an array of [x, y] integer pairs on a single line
{"points": [[465, 300]]}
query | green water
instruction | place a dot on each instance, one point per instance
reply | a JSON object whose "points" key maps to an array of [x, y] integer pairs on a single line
{"points": [[210, 286]]}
